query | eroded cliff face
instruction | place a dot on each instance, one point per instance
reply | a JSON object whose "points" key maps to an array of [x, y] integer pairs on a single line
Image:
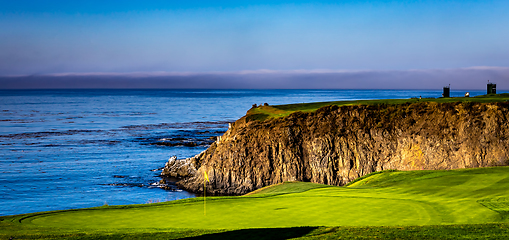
{"points": [[336, 145]]}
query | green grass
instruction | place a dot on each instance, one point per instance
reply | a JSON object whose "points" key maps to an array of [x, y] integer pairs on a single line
{"points": [[267, 112], [391, 204]]}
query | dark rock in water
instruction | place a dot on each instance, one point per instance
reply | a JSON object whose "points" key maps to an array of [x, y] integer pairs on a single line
{"points": [[335, 145], [166, 184]]}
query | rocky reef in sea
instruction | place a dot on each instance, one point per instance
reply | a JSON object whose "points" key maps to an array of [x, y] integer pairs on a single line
{"points": [[335, 145]]}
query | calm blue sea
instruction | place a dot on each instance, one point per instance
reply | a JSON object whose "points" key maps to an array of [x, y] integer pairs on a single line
{"points": [[66, 149]]}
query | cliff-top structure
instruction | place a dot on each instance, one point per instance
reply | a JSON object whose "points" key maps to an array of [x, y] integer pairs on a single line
{"points": [[337, 142]]}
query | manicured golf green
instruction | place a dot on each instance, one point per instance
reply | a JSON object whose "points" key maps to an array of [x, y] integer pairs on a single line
{"points": [[402, 199]]}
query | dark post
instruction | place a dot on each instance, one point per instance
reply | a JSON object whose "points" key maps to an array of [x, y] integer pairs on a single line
{"points": [[447, 91], [492, 88]]}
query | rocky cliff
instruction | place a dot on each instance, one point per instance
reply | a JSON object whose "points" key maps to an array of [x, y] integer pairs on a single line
{"points": [[335, 145]]}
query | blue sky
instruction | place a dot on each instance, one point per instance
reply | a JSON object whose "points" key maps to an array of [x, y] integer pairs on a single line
{"points": [[80, 37]]}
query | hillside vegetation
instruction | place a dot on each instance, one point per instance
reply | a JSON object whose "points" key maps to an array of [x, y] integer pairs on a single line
{"points": [[466, 203]]}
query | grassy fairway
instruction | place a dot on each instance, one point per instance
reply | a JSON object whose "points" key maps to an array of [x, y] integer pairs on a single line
{"points": [[413, 204], [265, 112]]}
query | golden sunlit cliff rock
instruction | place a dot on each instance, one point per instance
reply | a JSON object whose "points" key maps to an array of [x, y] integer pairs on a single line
{"points": [[335, 145]]}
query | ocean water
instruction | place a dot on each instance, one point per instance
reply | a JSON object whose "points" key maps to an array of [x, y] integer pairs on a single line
{"points": [[67, 149]]}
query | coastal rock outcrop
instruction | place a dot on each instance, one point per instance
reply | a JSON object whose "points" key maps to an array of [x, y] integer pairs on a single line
{"points": [[335, 145], [180, 168]]}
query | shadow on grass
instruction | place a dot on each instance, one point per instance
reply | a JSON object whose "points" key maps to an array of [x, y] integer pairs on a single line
{"points": [[264, 233]]}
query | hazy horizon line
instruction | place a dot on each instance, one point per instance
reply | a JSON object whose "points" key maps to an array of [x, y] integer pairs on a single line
{"points": [[468, 78]]}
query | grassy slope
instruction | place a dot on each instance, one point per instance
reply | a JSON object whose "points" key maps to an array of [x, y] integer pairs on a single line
{"points": [[415, 204], [265, 112]]}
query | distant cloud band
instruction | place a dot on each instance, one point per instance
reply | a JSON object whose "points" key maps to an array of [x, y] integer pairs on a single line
{"points": [[460, 78]]}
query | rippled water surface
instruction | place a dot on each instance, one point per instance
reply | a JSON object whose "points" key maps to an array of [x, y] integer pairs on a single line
{"points": [[65, 149]]}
